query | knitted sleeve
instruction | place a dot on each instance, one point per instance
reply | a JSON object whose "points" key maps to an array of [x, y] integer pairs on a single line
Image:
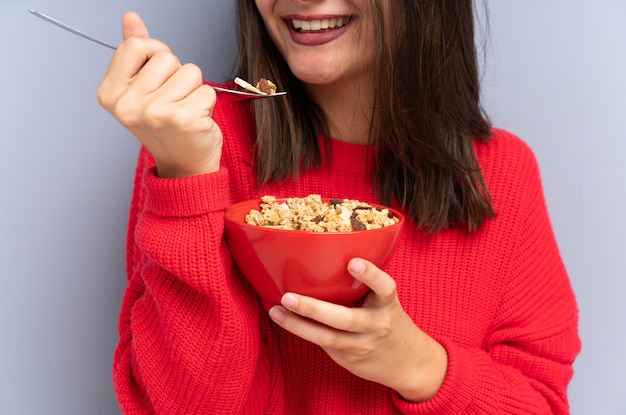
{"points": [[526, 362], [190, 332]]}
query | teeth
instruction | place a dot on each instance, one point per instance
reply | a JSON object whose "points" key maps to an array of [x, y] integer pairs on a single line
{"points": [[316, 25]]}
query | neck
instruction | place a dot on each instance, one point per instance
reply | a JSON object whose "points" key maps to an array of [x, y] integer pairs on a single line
{"points": [[347, 108]]}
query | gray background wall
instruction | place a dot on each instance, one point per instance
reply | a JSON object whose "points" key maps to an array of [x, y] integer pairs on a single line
{"points": [[554, 74]]}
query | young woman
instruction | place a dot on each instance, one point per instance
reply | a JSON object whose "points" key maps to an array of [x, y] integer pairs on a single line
{"points": [[474, 313]]}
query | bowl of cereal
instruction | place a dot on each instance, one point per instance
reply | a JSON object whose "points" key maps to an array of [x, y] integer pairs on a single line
{"points": [[303, 245]]}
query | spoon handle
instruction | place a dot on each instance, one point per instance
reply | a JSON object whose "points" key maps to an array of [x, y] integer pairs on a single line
{"points": [[70, 28]]}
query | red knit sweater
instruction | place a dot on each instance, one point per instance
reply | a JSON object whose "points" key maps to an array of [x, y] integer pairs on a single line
{"points": [[195, 340]]}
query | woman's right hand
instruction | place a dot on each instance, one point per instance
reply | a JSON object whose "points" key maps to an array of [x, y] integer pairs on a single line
{"points": [[163, 103]]}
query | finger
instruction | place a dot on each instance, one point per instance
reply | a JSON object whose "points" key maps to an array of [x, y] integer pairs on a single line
{"points": [[133, 25], [203, 98], [383, 286], [137, 48], [355, 320], [156, 72], [129, 58], [183, 82], [192, 113], [304, 328]]}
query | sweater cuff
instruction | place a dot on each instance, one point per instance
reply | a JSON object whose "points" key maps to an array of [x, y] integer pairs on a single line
{"points": [[186, 196], [458, 389]]}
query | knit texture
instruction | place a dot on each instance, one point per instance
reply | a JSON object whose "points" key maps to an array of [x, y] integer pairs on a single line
{"points": [[194, 338]]}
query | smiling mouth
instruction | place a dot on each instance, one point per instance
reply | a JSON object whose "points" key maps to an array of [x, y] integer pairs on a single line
{"points": [[320, 25]]}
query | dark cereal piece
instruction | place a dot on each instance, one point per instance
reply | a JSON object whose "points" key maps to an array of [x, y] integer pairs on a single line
{"points": [[335, 202], [357, 225], [266, 86]]}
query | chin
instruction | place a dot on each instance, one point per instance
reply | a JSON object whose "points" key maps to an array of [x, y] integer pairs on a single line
{"points": [[316, 74]]}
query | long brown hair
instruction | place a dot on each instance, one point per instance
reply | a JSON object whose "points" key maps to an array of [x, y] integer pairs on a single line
{"points": [[426, 112]]}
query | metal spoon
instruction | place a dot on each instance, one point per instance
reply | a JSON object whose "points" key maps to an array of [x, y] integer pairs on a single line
{"points": [[235, 94]]}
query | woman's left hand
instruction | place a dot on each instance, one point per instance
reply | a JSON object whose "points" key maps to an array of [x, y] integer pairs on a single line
{"points": [[377, 341]]}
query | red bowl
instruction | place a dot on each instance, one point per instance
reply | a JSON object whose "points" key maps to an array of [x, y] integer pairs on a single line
{"points": [[276, 261]]}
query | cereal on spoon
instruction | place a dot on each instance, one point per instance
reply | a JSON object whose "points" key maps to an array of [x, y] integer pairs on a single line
{"points": [[264, 86]]}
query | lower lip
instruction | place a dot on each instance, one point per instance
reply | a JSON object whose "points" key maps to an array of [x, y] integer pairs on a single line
{"points": [[315, 38]]}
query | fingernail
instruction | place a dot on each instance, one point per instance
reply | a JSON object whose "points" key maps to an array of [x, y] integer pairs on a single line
{"points": [[289, 301], [277, 314], [357, 267], [356, 284]]}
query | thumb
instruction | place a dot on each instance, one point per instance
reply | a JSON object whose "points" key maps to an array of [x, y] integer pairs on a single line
{"points": [[132, 25], [381, 283]]}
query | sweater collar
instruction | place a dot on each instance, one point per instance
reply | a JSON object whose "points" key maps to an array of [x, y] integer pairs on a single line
{"points": [[348, 157]]}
